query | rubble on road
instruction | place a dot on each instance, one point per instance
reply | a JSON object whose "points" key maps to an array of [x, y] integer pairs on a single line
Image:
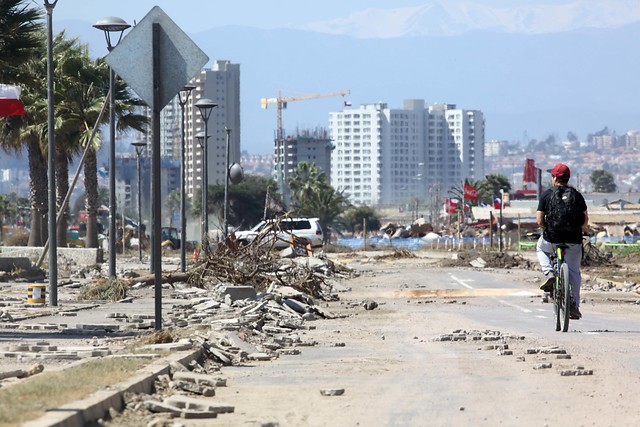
{"points": [[261, 268], [478, 259], [397, 253]]}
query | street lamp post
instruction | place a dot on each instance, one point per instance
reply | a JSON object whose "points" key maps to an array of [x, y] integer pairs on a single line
{"points": [[501, 205], [202, 143], [205, 106], [53, 241], [183, 98], [226, 183], [139, 148], [117, 26]]}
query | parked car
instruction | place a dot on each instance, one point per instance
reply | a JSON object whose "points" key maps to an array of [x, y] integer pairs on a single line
{"points": [[282, 230]]}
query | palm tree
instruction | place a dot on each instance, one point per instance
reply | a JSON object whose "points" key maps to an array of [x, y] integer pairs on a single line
{"points": [[491, 185], [20, 38], [327, 205], [306, 179], [83, 87]]}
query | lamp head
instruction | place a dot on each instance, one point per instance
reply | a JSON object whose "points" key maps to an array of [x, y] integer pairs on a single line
{"points": [[205, 105], [111, 24]]}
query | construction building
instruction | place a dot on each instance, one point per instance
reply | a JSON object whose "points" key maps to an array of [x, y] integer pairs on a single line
{"points": [[313, 147], [385, 157]]}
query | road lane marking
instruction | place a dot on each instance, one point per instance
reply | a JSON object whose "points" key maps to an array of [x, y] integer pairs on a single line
{"points": [[462, 282], [525, 310]]}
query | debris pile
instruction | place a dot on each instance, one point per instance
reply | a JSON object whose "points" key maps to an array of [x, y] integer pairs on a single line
{"points": [[487, 260], [185, 392], [397, 253], [258, 266], [592, 256]]}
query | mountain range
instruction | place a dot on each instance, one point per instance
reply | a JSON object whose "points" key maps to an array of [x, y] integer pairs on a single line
{"points": [[533, 71], [455, 17]]}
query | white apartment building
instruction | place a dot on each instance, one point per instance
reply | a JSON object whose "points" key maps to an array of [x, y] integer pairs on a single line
{"points": [[221, 84], [170, 131], [387, 156]]}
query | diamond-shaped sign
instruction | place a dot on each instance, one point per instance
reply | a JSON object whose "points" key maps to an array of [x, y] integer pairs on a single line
{"points": [[180, 58]]}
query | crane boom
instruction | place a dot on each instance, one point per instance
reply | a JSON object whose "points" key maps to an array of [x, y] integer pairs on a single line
{"points": [[281, 103]]}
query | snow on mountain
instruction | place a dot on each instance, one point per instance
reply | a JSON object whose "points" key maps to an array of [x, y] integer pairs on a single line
{"points": [[455, 17]]}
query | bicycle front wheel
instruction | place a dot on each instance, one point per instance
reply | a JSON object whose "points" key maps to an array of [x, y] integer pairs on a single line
{"points": [[565, 298]]}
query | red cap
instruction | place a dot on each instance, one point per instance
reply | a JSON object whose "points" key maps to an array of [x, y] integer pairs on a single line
{"points": [[560, 170]]}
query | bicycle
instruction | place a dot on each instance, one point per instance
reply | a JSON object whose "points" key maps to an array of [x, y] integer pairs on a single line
{"points": [[561, 293]]}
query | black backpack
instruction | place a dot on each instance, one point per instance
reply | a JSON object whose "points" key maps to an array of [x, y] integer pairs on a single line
{"points": [[564, 214]]}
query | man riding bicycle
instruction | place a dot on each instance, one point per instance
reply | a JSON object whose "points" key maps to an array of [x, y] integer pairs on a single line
{"points": [[557, 230]]}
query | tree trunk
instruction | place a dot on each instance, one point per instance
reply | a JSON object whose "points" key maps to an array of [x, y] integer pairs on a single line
{"points": [[62, 186], [91, 197], [38, 191]]}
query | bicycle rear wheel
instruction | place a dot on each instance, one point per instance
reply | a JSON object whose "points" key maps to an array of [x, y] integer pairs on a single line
{"points": [[564, 299]]}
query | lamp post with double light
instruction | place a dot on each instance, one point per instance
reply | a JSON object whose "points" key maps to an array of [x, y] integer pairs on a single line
{"points": [[139, 146], [183, 98], [116, 26], [205, 106]]}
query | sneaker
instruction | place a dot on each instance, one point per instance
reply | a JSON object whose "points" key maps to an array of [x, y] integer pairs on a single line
{"points": [[547, 283], [574, 313]]}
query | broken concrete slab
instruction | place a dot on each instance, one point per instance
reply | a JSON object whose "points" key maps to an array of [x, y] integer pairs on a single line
{"points": [[239, 292], [186, 402]]}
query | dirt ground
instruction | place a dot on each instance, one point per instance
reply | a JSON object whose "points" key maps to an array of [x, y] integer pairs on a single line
{"points": [[394, 371]]}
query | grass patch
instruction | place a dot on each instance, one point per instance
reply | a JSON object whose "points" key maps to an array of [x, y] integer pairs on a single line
{"points": [[104, 289], [31, 398]]}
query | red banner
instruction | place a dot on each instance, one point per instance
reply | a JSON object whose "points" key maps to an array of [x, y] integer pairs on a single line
{"points": [[450, 205], [10, 104], [470, 193], [530, 171]]}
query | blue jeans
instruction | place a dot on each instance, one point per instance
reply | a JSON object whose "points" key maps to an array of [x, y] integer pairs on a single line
{"points": [[572, 256]]}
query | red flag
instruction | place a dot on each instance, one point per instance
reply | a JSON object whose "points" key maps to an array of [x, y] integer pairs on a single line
{"points": [[450, 205], [530, 174], [347, 103], [470, 193], [10, 104]]}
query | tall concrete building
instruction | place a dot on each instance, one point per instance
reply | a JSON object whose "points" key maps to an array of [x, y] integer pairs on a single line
{"points": [[313, 147], [222, 85], [170, 131], [387, 156]]}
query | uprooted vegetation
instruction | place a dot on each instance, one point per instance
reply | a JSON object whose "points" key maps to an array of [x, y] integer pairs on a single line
{"points": [[105, 290], [259, 266]]}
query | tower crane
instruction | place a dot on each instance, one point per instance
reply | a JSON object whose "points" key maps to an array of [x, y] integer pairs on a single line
{"points": [[281, 103]]}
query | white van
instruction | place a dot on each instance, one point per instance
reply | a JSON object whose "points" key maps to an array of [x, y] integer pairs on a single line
{"points": [[306, 228]]}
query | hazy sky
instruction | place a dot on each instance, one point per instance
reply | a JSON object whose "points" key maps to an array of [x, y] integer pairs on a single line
{"points": [[197, 15]]}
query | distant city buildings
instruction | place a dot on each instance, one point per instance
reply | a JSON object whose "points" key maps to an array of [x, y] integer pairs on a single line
{"points": [[386, 156], [221, 84]]}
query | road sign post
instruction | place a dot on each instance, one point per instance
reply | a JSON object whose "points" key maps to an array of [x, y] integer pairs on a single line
{"points": [[156, 47]]}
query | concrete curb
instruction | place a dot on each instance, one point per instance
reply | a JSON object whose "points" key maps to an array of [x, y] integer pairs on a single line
{"points": [[94, 407]]}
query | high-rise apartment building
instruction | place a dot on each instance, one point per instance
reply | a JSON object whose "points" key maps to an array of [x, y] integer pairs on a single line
{"points": [[387, 156], [221, 84]]}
